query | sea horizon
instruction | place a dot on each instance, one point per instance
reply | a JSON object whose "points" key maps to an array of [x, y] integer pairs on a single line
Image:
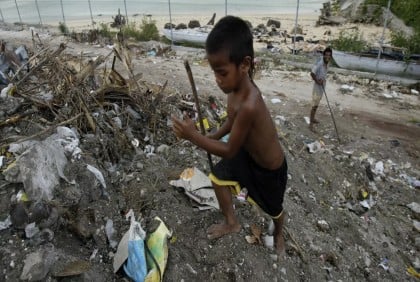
{"points": [[55, 11]]}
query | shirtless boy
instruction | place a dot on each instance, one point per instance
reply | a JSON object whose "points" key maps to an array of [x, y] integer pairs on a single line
{"points": [[252, 157]]}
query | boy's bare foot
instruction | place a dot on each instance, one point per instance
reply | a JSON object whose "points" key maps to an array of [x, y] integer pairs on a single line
{"points": [[218, 230]]}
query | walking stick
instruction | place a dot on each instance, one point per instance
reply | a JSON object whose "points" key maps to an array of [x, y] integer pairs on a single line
{"points": [[197, 105], [332, 116]]}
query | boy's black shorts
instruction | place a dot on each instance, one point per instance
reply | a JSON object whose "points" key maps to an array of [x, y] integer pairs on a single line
{"points": [[265, 187]]}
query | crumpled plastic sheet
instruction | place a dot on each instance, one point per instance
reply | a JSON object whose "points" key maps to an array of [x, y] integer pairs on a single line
{"points": [[40, 164]]}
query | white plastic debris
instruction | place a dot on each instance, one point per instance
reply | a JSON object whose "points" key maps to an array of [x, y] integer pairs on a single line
{"points": [[346, 88], [268, 241], [135, 142], [5, 91], [379, 168], [39, 166], [97, 174], [414, 92], [368, 203], [110, 233], [307, 120], [275, 101], [5, 223], [314, 147], [31, 230], [323, 225], [384, 264], [1, 161]]}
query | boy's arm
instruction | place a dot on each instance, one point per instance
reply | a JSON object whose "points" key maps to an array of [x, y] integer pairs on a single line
{"points": [[222, 131], [239, 130]]}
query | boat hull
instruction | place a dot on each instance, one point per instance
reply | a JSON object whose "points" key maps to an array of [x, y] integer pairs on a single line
{"points": [[195, 36], [371, 64]]}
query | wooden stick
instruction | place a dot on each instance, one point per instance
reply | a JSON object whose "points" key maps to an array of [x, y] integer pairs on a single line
{"points": [[197, 104]]}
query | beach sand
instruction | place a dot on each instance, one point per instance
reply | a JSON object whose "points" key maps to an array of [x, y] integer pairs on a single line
{"points": [[307, 21]]}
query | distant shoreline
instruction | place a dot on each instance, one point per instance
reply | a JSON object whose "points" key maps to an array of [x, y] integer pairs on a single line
{"points": [[307, 21], [203, 18]]}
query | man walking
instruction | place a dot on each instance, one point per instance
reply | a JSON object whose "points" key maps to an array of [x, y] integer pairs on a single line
{"points": [[319, 75]]}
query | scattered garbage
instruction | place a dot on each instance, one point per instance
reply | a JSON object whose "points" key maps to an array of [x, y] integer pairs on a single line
{"points": [[122, 125], [136, 267], [243, 195], [100, 178], [346, 88], [5, 223], [414, 92], [39, 166], [315, 146], [157, 258], [1, 160], [198, 187], [110, 233], [384, 264]]}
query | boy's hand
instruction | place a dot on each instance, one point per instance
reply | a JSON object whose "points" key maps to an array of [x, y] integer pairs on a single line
{"points": [[184, 128]]}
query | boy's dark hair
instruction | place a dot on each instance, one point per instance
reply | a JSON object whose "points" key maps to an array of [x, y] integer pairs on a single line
{"points": [[327, 50], [232, 34]]}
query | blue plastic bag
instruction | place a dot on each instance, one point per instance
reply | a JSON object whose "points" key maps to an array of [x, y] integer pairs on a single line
{"points": [[136, 267]]}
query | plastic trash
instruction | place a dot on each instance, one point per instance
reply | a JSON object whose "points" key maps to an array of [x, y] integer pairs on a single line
{"points": [[5, 223], [384, 264], [31, 230], [136, 267], [99, 177], [110, 233], [379, 168], [314, 147], [346, 88], [198, 187], [157, 254], [243, 195], [39, 166], [414, 91], [5, 91]]}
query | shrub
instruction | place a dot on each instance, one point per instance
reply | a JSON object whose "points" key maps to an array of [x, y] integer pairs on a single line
{"points": [[62, 27], [104, 30], [407, 10], [410, 44], [130, 30], [349, 41], [148, 31]]}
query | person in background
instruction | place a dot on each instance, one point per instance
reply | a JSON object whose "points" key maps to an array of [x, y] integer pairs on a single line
{"points": [[319, 75]]}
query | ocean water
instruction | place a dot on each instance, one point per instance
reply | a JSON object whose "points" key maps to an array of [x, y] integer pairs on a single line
{"points": [[54, 11]]}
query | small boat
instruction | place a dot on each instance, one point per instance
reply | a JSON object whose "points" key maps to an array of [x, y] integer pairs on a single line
{"points": [[370, 63], [189, 35]]}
